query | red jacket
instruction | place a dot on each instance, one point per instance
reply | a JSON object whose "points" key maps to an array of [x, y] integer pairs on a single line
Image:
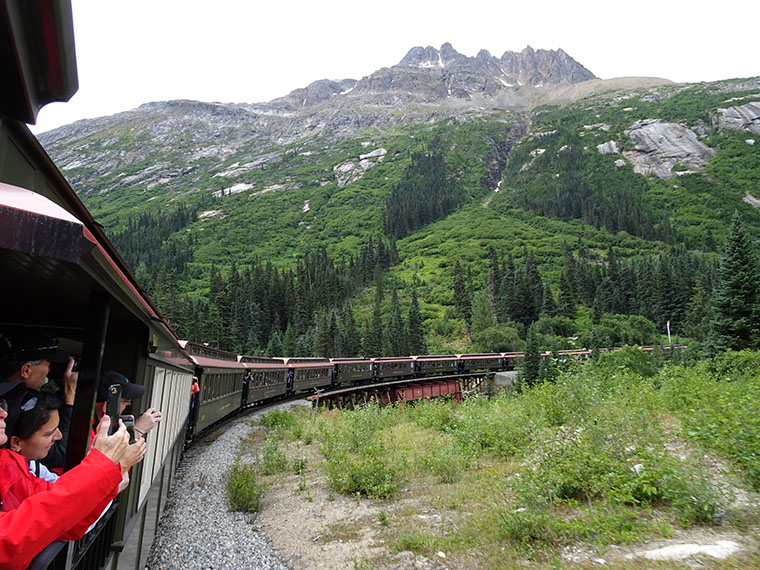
{"points": [[36, 513]]}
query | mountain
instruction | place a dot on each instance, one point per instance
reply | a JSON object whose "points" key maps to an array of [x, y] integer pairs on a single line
{"points": [[443, 158]]}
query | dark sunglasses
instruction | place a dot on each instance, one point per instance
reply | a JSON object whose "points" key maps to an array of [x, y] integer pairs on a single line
{"points": [[3, 405]]}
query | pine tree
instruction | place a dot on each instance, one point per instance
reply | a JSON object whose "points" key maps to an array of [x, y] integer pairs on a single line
{"points": [[275, 347], [349, 335], [289, 342], [549, 307], [697, 324], [736, 297], [396, 329], [461, 295], [567, 305], [416, 336], [482, 312], [532, 360]]}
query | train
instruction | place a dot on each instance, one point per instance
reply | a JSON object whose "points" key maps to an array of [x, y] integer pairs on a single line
{"points": [[231, 383]]}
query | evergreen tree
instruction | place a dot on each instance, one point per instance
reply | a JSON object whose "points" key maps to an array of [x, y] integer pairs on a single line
{"points": [[351, 343], [594, 343], [322, 341], [736, 297], [549, 307], [416, 336], [396, 329], [532, 360], [482, 312], [289, 341], [275, 347], [461, 295], [567, 303], [697, 324]]}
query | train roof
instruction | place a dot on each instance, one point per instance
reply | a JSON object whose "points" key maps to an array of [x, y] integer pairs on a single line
{"points": [[260, 360], [480, 355], [38, 55], [298, 362], [435, 357], [208, 357], [58, 262]]}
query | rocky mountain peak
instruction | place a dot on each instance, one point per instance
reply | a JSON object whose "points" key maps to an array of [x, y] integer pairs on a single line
{"points": [[434, 74]]}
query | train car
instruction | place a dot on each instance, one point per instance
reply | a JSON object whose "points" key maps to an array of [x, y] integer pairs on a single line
{"points": [[308, 373], [220, 378], [393, 367], [511, 360], [478, 362], [62, 276], [351, 370], [269, 378], [439, 364]]}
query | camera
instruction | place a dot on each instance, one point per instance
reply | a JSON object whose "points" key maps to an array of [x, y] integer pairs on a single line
{"points": [[129, 422]]}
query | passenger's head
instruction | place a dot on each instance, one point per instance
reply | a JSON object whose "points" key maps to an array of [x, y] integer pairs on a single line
{"points": [[34, 429], [129, 391], [25, 356], [8, 391]]}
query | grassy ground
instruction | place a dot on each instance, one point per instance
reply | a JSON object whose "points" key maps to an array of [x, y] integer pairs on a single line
{"points": [[593, 467]]}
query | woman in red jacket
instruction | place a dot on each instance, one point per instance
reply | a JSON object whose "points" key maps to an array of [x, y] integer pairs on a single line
{"points": [[39, 512]]}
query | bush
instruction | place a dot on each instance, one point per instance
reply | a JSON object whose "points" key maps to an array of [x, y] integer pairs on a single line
{"points": [[368, 474], [629, 358], [273, 459], [243, 491], [278, 419], [357, 462], [447, 464]]}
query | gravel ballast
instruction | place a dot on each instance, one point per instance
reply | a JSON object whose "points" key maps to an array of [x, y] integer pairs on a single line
{"points": [[197, 531]]}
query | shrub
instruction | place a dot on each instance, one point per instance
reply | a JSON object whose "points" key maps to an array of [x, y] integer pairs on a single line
{"points": [[368, 474], [273, 459], [447, 464], [278, 419], [243, 491]]}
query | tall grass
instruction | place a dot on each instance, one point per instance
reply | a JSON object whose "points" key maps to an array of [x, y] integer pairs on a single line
{"points": [[588, 457]]}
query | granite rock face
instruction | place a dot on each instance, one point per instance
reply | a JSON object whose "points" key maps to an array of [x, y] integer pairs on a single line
{"points": [[665, 149], [354, 169], [742, 118]]}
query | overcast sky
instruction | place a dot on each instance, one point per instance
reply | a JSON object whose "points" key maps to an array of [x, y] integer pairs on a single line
{"points": [[248, 51]]}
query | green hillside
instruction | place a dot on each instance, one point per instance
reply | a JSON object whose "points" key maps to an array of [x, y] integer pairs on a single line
{"points": [[512, 204]]}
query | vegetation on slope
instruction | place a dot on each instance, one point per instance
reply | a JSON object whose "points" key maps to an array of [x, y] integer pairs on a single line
{"points": [[613, 452]]}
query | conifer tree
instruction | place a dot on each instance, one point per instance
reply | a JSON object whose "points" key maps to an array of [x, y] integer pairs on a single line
{"points": [[736, 297], [461, 295], [532, 360], [275, 347], [351, 343], [396, 329], [482, 312], [416, 336], [322, 341], [289, 341], [549, 307], [566, 305]]}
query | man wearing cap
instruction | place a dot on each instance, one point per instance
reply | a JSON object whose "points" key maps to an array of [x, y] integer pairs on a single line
{"points": [[129, 392], [45, 512], [25, 356]]}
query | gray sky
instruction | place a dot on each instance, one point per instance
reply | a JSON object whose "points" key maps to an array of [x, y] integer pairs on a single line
{"points": [[248, 51]]}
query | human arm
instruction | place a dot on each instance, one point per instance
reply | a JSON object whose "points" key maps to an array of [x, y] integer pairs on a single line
{"points": [[53, 509], [147, 421]]}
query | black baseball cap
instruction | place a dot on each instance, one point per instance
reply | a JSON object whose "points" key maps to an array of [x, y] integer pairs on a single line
{"points": [[129, 390], [29, 345], [11, 390]]}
